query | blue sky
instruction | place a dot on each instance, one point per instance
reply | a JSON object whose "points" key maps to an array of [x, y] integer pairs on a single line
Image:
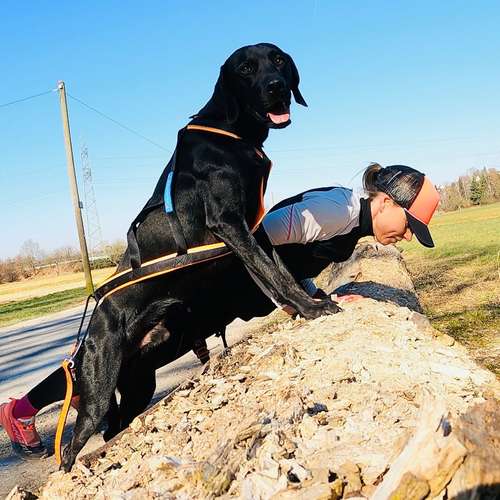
{"points": [[395, 82]]}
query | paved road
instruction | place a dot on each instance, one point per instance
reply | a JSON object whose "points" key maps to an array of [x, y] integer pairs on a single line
{"points": [[32, 350]]}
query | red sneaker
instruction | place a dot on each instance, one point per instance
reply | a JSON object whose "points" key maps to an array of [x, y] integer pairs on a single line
{"points": [[22, 432]]}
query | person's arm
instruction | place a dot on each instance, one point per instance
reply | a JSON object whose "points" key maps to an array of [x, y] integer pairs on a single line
{"points": [[309, 286]]}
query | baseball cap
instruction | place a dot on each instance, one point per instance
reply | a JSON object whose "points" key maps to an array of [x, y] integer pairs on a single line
{"points": [[415, 193]]}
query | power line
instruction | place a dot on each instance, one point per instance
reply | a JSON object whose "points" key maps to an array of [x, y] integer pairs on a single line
{"points": [[137, 157], [26, 98], [116, 122], [372, 146]]}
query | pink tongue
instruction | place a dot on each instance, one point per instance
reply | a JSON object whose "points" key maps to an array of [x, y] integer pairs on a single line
{"points": [[279, 118]]}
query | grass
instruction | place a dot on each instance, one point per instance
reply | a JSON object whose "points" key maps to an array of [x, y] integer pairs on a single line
{"points": [[13, 312], [458, 281], [47, 284], [38, 297]]}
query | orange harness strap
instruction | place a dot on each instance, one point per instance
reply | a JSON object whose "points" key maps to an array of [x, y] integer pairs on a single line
{"points": [[213, 130]]}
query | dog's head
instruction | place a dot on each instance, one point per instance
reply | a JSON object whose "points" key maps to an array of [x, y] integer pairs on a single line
{"points": [[258, 81]]}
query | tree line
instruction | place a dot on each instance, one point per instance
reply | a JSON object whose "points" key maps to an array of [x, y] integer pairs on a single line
{"points": [[32, 260], [478, 187]]}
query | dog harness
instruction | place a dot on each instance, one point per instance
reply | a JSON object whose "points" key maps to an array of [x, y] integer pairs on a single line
{"points": [[183, 257], [139, 271]]}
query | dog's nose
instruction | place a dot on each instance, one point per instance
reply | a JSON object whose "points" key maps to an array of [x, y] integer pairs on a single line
{"points": [[275, 87]]}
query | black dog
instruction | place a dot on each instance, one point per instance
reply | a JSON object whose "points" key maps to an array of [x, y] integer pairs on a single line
{"points": [[232, 295], [218, 185]]}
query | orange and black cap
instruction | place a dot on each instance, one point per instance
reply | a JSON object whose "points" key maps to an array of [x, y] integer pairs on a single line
{"points": [[421, 211], [415, 193]]}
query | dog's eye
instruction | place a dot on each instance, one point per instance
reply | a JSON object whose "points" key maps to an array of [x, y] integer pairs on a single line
{"points": [[245, 69], [279, 60]]}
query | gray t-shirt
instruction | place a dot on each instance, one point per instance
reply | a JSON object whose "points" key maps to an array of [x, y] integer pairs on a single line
{"points": [[320, 215]]}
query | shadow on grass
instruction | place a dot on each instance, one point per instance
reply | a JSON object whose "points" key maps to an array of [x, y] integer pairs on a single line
{"points": [[477, 329], [453, 274]]}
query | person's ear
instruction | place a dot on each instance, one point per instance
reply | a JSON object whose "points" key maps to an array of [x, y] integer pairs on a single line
{"points": [[387, 202]]}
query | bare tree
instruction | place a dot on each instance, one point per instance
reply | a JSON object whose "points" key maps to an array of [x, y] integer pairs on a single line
{"points": [[31, 254]]}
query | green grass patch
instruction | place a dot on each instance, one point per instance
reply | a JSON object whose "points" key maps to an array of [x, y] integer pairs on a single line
{"points": [[458, 281], [13, 312], [471, 327]]}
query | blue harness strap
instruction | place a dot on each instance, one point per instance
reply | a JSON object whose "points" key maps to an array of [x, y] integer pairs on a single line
{"points": [[168, 201], [162, 198]]}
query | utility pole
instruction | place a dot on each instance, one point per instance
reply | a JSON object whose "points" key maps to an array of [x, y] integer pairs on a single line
{"points": [[77, 204]]}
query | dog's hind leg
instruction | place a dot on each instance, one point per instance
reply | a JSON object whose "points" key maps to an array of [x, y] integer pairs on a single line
{"points": [[97, 367], [222, 334], [113, 419], [137, 380], [137, 385]]}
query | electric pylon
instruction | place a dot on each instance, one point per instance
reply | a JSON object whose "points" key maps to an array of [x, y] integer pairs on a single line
{"points": [[94, 232]]}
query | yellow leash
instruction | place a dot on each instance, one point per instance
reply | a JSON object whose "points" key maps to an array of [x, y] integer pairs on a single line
{"points": [[67, 365]]}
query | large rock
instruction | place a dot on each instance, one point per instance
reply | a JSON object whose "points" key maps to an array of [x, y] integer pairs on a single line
{"points": [[371, 402], [378, 272]]}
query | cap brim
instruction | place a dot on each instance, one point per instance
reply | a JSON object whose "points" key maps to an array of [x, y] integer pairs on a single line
{"points": [[420, 230]]}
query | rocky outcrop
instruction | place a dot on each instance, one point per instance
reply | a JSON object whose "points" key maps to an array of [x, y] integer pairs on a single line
{"points": [[368, 403]]}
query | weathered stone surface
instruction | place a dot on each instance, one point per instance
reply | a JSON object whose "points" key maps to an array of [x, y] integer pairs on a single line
{"points": [[376, 271], [19, 494], [411, 488], [334, 408]]}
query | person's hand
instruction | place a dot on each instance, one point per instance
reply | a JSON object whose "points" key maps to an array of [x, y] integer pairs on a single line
{"points": [[346, 298]]}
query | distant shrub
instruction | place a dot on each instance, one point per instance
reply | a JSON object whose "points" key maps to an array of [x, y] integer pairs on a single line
{"points": [[9, 271], [77, 267], [115, 251]]}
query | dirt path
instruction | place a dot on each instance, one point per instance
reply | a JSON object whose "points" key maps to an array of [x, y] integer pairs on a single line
{"points": [[43, 285], [32, 474]]}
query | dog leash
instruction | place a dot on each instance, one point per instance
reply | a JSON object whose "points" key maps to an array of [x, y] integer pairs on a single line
{"points": [[68, 366]]}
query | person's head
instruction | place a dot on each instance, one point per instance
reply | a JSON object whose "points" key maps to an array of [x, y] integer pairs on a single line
{"points": [[402, 202]]}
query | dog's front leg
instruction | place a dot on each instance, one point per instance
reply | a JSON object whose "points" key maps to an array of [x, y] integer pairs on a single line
{"points": [[279, 282]]}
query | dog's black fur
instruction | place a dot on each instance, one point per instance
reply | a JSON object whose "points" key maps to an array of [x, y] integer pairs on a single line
{"points": [[233, 295], [216, 198]]}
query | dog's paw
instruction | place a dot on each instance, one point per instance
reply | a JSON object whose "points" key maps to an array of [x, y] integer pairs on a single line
{"points": [[320, 308], [225, 352], [332, 307], [68, 459]]}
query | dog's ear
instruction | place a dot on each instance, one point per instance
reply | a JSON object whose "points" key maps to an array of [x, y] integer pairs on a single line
{"points": [[225, 97], [295, 84]]}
